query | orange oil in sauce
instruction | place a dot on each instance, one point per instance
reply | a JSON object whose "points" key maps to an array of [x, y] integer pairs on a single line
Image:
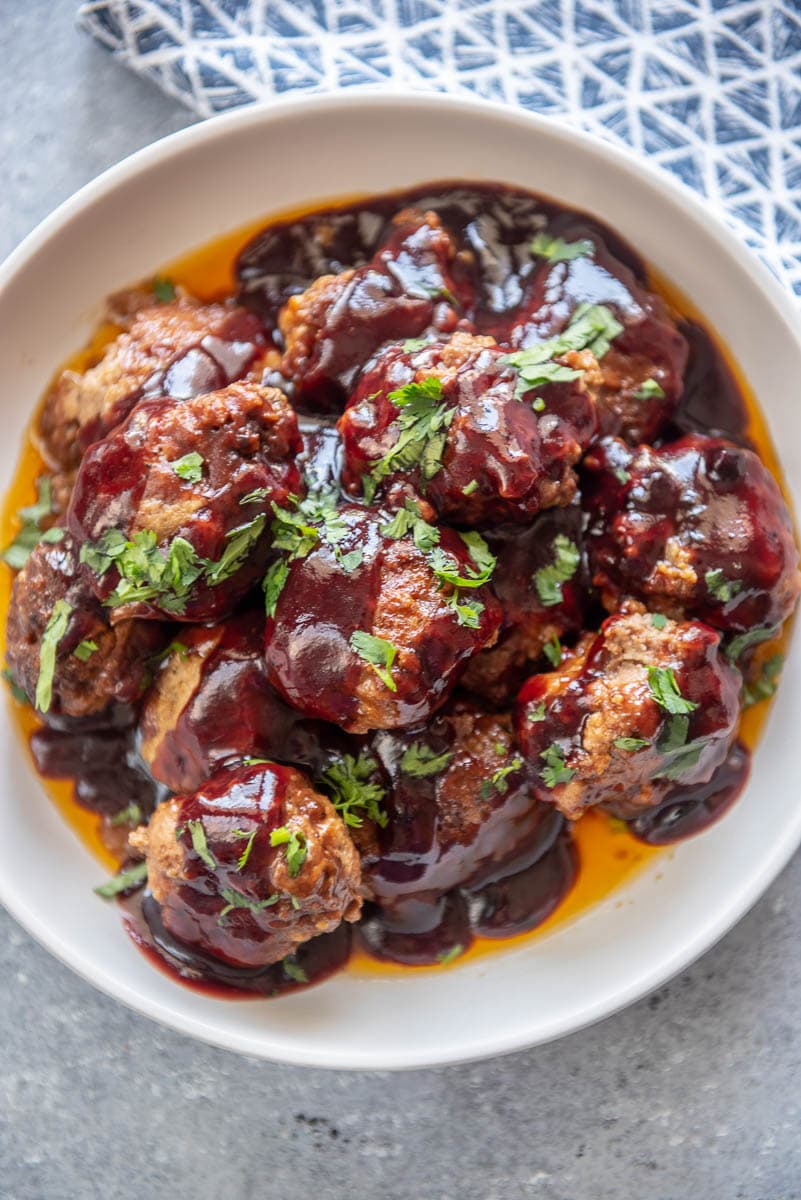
{"points": [[608, 854]]}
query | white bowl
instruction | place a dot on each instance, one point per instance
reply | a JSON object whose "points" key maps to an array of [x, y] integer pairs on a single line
{"points": [[207, 180]]}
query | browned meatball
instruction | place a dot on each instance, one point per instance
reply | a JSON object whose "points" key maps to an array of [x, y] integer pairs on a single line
{"points": [[211, 704], [450, 419], [94, 664], [541, 582], [697, 527], [646, 703], [169, 509], [338, 323], [642, 372], [251, 865], [179, 350], [371, 631]]}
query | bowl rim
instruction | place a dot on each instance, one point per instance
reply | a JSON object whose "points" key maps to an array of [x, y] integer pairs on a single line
{"points": [[622, 160]]}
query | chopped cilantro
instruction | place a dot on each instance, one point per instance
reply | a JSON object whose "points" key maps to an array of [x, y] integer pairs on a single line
{"points": [[537, 714], [130, 815], [555, 772], [649, 389], [294, 971], [592, 327], [408, 520], [132, 877], [423, 423], [412, 345], [54, 631], [84, 650], [200, 845], [720, 587], [658, 620], [190, 467], [538, 404], [448, 956], [235, 899], [242, 861], [556, 249], [752, 637], [553, 651], [498, 780], [273, 584], [565, 563], [19, 694], [296, 848], [419, 760], [379, 653], [30, 534], [763, 687], [163, 289], [665, 691], [631, 743], [621, 474], [239, 544], [350, 784], [470, 487]]}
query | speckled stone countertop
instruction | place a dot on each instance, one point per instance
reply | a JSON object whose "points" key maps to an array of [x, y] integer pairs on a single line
{"points": [[694, 1091]]}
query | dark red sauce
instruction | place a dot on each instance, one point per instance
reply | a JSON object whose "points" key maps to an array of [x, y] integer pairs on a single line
{"points": [[518, 868]]}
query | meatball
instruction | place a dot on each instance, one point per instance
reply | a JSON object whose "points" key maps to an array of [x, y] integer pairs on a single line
{"points": [[642, 372], [372, 628], [211, 704], [179, 350], [450, 418], [697, 528], [93, 664], [337, 324], [251, 865], [463, 831], [646, 703], [169, 509], [541, 582]]}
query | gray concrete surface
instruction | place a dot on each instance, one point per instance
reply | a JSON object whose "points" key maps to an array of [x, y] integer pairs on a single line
{"points": [[694, 1091]]}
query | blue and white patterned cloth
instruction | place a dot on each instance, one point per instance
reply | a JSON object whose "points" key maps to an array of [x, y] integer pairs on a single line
{"points": [[708, 89]]}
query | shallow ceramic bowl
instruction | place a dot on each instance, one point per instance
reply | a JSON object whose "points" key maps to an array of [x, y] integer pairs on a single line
{"points": [[214, 177]]}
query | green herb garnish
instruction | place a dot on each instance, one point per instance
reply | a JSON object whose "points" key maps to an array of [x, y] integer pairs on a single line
{"points": [[556, 249], [470, 487], [30, 534], [419, 760], [448, 956], [721, 588], [294, 971], [412, 345], [549, 580], [498, 780], [200, 845], [665, 691], [54, 631], [555, 772], [19, 694], [273, 585], [350, 784], [379, 653], [752, 637], [130, 815], [423, 423], [235, 899], [630, 743], [163, 289], [242, 861], [592, 327], [658, 620], [296, 848], [537, 714], [553, 651], [190, 467], [84, 650], [621, 475], [765, 685], [649, 389], [132, 877]]}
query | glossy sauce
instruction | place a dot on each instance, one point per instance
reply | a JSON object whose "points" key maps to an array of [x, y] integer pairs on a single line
{"points": [[278, 262]]}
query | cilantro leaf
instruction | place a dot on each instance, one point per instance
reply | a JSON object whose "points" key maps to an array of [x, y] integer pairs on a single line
{"points": [[630, 743], [553, 651], [132, 877], [17, 553], [350, 784], [621, 474], [470, 487], [537, 714], [242, 861], [423, 423], [448, 956], [752, 637], [412, 345], [763, 687], [498, 780], [549, 580], [235, 899], [130, 815], [19, 694], [658, 620], [54, 631], [419, 760], [665, 691], [556, 249], [555, 772], [591, 327], [294, 971], [379, 653], [273, 584], [296, 848], [200, 845], [163, 289], [721, 588], [190, 467]]}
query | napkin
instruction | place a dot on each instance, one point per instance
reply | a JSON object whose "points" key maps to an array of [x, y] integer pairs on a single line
{"points": [[709, 90]]}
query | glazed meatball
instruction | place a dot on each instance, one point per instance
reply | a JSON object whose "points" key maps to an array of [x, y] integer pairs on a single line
{"points": [[169, 509], [370, 630], [696, 528], [251, 865], [211, 704], [179, 350], [450, 419], [96, 665], [463, 828], [646, 703], [337, 324], [642, 372], [541, 582]]}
